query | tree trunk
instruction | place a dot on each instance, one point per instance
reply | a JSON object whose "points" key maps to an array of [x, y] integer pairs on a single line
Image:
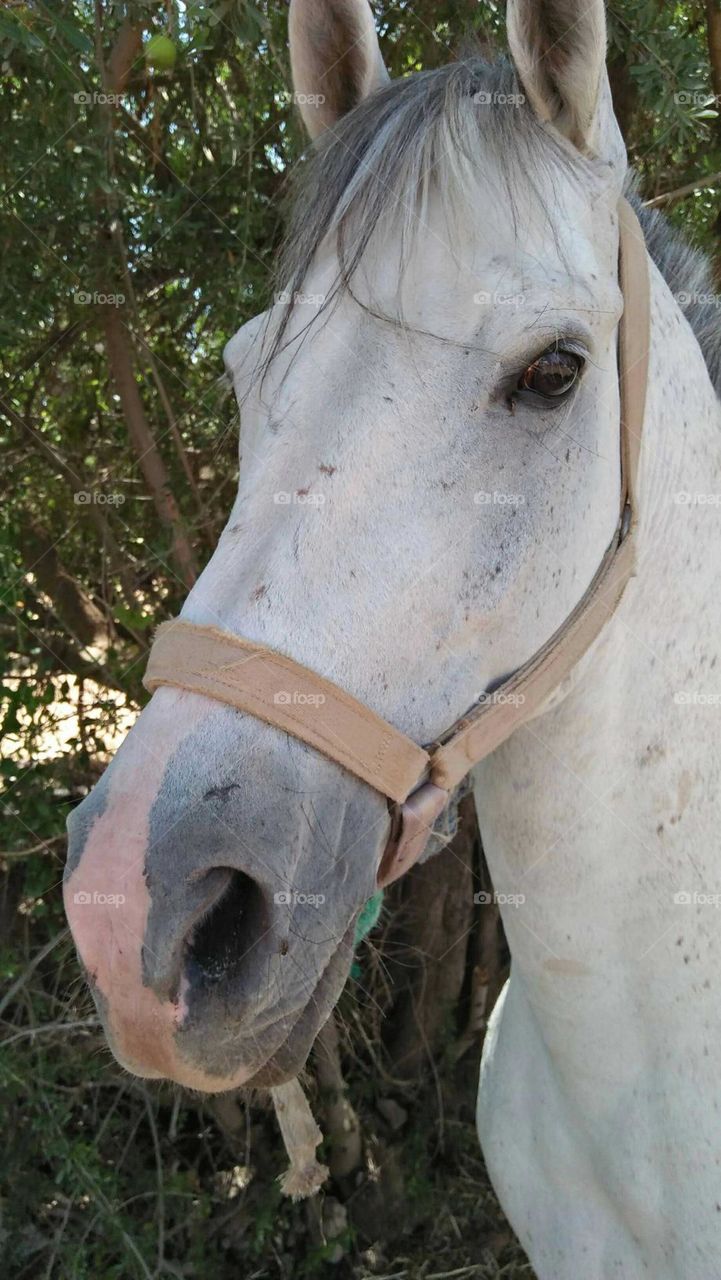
{"points": [[77, 613], [120, 359], [713, 25], [126, 56], [434, 924], [121, 356], [713, 18], [340, 1122], [624, 93]]}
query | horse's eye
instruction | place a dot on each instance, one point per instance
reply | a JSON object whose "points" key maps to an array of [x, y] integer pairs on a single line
{"points": [[552, 374]]}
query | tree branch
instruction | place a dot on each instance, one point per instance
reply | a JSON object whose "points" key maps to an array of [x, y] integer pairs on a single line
{"points": [[700, 184], [120, 359]]}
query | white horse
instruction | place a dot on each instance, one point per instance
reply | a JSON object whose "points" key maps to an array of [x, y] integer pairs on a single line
{"points": [[429, 481]]}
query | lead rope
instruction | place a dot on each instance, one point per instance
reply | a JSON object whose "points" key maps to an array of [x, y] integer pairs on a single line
{"points": [[301, 1135], [300, 1132]]}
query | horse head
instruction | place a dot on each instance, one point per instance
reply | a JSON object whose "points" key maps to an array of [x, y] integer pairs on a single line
{"points": [[429, 478]]}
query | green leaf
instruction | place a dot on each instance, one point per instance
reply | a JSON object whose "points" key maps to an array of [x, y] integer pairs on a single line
{"points": [[133, 619], [74, 34]]}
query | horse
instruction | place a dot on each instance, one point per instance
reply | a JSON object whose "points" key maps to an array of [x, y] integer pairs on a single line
{"points": [[429, 480]]}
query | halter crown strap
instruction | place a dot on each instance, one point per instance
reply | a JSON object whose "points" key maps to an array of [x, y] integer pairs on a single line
{"points": [[282, 692]]}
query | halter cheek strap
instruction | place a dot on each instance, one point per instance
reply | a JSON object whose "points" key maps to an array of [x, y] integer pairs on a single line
{"points": [[274, 688]]}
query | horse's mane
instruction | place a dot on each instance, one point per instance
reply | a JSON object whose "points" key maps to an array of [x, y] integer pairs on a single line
{"points": [[690, 277], [381, 158]]}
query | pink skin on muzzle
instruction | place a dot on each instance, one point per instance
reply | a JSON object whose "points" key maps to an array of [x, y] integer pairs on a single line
{"points": [[107, 904]]}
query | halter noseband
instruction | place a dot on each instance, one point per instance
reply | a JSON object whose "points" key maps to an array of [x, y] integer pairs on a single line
{"points": [[418, 780]]}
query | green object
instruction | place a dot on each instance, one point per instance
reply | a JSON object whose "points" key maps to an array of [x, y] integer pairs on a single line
{"points": [[160, 53], [367, 920]]}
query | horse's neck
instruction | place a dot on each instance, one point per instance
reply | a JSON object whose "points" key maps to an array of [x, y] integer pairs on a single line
{"points": [[603, 809]]}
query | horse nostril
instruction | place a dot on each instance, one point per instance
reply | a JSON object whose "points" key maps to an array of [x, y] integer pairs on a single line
{"points": [[231, 927]]}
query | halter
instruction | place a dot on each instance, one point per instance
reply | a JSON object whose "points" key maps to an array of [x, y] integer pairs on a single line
{"points": [[418, 780]]}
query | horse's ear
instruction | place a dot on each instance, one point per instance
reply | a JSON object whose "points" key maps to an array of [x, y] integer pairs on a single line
{"points": [[559, 49], [334, 58]]}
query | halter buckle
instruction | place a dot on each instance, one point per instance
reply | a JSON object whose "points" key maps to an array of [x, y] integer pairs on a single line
{"points": [[411, 829]]}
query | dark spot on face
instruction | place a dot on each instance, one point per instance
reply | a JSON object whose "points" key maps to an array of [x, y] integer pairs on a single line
{"points": [[302, 493], [259, 592], [327, 470], [221, 793], [284, 947]]}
